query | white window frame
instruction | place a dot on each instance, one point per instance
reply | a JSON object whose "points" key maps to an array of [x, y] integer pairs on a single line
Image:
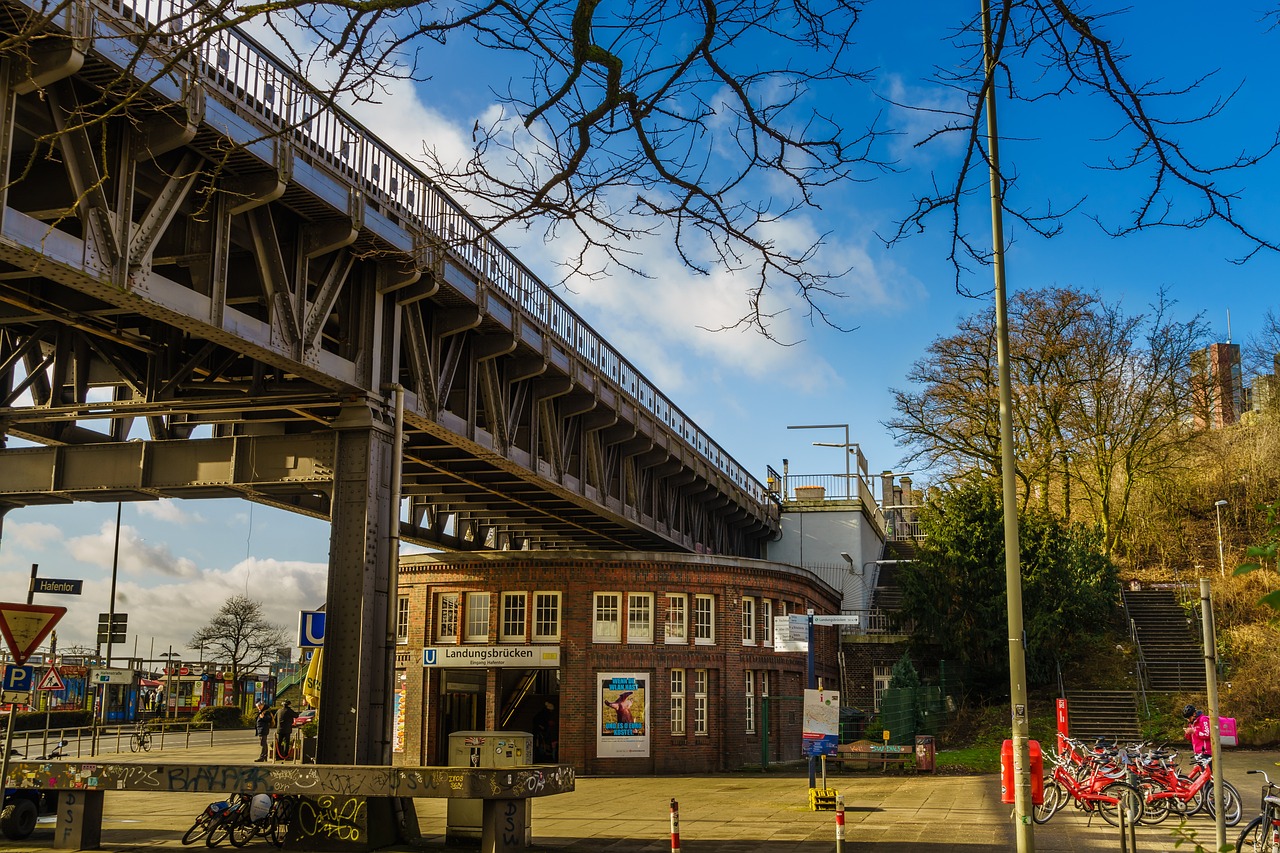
{"points": [[700, 692], [704, 630], [678, 685], [606, 617], [639, 617], [448, 616], [676, 629], [766, 621], [547, 616], [402, 619], [509, 597], [880, 678], [748, 620], [475, 630]]}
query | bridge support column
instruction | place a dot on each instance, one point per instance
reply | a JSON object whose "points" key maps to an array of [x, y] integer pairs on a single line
{"points": [[79, 824], [354, 710]]}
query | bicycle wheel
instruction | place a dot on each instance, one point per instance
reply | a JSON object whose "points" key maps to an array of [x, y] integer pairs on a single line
{"points": [[1254, 837], [281, 817], [1154, 810], [198, 829], [1054, 797], [1230, 803], [144, 740], [133, 742], [1194, 803], [221, 829], [1120, 795], [242, 831]]}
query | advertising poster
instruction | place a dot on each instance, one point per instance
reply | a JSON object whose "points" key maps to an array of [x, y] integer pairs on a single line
{"points": [[397, 715], [821, 722], [622, 730]]}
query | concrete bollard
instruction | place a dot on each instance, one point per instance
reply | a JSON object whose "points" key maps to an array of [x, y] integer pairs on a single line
{"points": [[839, 823], [675, 826]]}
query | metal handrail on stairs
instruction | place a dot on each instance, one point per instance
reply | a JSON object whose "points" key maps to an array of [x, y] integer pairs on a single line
{"points": [[1141, 663]]}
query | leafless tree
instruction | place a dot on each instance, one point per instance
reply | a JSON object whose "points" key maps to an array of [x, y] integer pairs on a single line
{"points": [[240, 637], [1050, 50], [697, 121], [1102, 399]]}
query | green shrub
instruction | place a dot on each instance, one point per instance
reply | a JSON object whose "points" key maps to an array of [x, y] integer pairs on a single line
{"points": [[222, 717], [30, 721]]}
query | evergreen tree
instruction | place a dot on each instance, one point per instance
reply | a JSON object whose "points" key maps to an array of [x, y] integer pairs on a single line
{"points": [[955, 591]]}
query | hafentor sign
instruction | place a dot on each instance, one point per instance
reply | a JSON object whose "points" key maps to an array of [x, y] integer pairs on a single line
{"points": [[486, 656]]}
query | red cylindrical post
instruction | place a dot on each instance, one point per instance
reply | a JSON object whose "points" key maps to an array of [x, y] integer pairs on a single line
{"points": [[675, 826], [839, 823]]}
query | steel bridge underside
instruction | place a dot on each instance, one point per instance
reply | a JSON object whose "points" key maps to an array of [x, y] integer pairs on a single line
{"points": [[232, 287], [203, 297]]}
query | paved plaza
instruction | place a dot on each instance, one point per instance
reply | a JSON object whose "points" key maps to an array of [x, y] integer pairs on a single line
{"points": [[749, 812]]}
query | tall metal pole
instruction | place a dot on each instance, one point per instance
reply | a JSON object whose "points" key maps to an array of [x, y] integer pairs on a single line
{"points": [[1211, 679], [1013, 573], [1217, 513]]}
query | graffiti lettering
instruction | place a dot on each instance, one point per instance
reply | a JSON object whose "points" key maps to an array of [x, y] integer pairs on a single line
{"points": [[331, 817]]}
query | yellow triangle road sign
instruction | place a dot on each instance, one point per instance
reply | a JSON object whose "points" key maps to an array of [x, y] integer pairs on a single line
{"points": [[24, 626], [52, 680]]}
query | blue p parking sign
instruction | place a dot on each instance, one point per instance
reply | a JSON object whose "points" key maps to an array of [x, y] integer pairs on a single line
{"points": [[18, 681]]}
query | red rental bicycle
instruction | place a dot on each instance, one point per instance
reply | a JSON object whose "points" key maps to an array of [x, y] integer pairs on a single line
{"points": [[1093, 783]]}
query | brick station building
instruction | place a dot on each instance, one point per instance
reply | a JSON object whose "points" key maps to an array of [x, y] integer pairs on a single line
{"points": [[618, 663]]}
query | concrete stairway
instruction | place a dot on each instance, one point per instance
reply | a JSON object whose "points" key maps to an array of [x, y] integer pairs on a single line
{"points": [[1172, 651], [1112, 714]]}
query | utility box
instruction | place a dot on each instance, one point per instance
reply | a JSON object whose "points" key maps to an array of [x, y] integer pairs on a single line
{"points": [[485, 749]]}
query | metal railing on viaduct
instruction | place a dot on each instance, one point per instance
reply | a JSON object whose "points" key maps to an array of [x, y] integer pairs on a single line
{"points": [[198, 247]]}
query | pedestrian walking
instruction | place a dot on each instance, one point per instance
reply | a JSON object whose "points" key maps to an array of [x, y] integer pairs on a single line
{"points": [[284, 730], [262, 727]]}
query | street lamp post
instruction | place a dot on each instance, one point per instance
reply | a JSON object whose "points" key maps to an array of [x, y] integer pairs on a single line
{"points": [[1222, 563], [169, 657], [1023, 833]]}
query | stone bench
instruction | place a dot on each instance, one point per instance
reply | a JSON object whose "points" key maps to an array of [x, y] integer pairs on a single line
{"points": [[350, 802]]}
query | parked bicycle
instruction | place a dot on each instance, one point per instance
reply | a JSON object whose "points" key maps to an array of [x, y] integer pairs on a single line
{"points": [[247, 816], [1262, 834], [1093, 781], [1167, 790], [140, 740], [205, 821]]}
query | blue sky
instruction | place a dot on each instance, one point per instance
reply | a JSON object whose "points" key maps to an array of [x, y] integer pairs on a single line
{"points": [[179, 560]]}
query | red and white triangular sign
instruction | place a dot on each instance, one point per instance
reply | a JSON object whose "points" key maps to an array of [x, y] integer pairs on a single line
{"points": [[51, 681], [24, 626]]}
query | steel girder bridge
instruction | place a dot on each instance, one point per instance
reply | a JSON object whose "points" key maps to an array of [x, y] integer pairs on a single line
{"points": [[213, 283]]}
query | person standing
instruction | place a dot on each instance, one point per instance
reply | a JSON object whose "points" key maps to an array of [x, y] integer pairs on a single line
{"points": [[284, 730], [1197, 731], [262, 727]]}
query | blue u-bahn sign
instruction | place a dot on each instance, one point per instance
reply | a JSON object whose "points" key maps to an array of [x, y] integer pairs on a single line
{"points": [[310, 629]]}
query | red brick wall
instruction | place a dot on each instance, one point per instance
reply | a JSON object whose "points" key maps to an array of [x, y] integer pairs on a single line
{"points": [[577, 576]]}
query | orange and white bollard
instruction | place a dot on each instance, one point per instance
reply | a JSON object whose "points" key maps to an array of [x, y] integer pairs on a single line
{"points": [[839, 822], [675, 826]]}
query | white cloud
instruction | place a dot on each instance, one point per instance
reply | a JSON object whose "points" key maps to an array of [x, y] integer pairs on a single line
{"points": [[169, 511], [171, 612], [137, 556], [34, 536], [918, 111]]}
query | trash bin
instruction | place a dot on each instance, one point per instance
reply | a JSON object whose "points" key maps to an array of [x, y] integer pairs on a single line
{"points": [[926, 753]]}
